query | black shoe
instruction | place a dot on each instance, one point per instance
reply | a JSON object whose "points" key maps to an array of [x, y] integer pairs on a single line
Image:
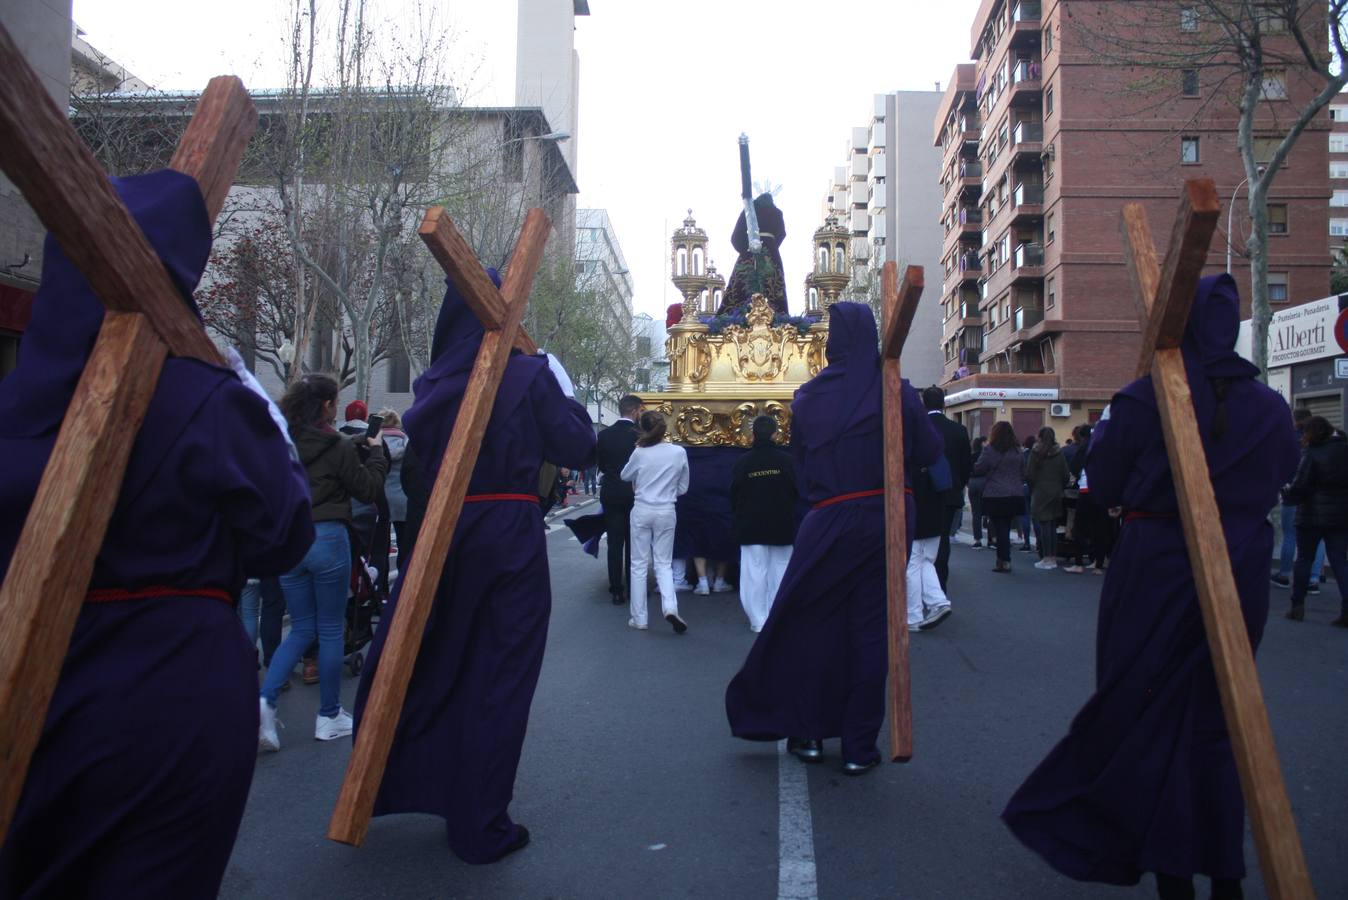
{"points": [[1313, 588], [859, 768], [806, 751], [617, 598], [1026, 548], [1341, 621], [1296, 613], [680, 626], [1281, 581], [519, 843]]}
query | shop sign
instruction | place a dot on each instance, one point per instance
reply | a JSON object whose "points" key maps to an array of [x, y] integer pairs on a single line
{"points": [[971, 394]]}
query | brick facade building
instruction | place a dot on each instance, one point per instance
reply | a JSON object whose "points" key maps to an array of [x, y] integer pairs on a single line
{"points": [[1043, 143]]}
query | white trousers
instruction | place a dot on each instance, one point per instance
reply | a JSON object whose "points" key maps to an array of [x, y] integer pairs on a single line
{"points": [[652, 540], [761, 569], [924, 588]]}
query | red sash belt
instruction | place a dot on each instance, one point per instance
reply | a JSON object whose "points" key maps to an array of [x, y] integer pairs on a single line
{"points": [[113, 595], [1135, 514], [855, 495], [492, 498]]}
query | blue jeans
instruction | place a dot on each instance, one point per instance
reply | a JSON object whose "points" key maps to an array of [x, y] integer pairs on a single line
{"points": [[315, 593], [263, 596], [1289, 545]]}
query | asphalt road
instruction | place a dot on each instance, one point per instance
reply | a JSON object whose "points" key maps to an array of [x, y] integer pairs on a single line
{"points": [[633, 787]]}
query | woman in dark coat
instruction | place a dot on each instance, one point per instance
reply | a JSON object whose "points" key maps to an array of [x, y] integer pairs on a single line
{"points": [[1145, 780], [139, 781], [1000, 464], [1047, 475], [461, 733], [1320, 492], [817, 669]]}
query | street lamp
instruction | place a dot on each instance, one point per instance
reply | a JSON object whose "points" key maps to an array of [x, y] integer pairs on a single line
{"points": [[286, 354], [1231, 208]]}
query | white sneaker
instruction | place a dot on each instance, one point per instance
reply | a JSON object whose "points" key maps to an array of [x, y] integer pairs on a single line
{"points": [[702, 588], [632, 623], [267, 738], [684, 585], [935, 616], [330, 728], [721, 586], [1046, 564]]}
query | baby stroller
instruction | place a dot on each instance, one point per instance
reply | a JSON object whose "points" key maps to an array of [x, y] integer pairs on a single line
{"points": [[364, 601]]}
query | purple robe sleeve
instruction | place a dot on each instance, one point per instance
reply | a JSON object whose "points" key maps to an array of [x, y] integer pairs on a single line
{"points": [[1114, 448], [567, 431], [260, 492]]}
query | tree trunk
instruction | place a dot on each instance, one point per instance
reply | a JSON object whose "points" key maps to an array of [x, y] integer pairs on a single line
{"points": [[1260, 313]]}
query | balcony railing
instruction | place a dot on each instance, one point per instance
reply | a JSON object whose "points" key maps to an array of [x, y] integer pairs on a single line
{"points": [[1025, 70], [1028, 133], [971, 262], [1031, 194], [1029, 255], [970, 169], [971, 216], [1025, 11], [1028, 316]]}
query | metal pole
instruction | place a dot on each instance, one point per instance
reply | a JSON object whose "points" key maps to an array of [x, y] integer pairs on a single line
{"points": [[1231, 208]]}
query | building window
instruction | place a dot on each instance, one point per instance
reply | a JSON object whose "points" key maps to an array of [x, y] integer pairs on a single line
{"points": [[1338, 227], [1048, 39], [1050, 228], [1277, 287], [644, 346], [1338, 170], [1189, 154], [1048, 102], [1189, 18], [1340, 198], [1338, 143], [1277, 218], [512, 150], [1338, 114], [1275, 84], [1189, 82], [1051, 291], [1264, 148]]}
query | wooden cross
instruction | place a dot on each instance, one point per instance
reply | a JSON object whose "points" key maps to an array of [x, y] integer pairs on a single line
{"points": [[500, 313], [1164, 297], [146, 322], [900, 304]]}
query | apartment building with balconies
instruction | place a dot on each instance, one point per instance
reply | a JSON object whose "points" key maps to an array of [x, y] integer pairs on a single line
{"points": [[1042, 143], [1338, 173]]}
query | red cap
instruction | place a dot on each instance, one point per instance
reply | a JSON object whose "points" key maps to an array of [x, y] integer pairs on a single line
{"points": [[673, 315], [356, 410]]}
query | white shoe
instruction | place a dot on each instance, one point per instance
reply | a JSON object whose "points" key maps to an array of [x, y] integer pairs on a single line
{"points": [[935, 616], [267, 738], [684, 586], [1046, 564], [721, 586], [330, 728], [632, 623], [702, 588]]}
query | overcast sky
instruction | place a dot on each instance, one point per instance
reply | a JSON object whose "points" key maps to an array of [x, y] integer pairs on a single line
{"points": [[665, 90]]}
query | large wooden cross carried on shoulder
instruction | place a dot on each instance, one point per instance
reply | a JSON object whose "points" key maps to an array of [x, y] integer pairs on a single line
{"points": [[1164, 297], [500, 313], [146, 321], [900, 305]]}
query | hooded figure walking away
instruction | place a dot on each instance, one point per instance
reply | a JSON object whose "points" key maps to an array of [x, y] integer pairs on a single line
{"points": [[1145, 780], [817, 669], [138, 783], [459, 738]]}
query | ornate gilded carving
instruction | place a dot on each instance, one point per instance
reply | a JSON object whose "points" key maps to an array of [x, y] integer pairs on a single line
{"points": [[760, 349], [699, 358], [696, 426], [815, 357]]}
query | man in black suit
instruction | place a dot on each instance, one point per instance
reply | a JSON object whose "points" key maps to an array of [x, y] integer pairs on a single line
{"points": [[960, 456], [616, 444]]}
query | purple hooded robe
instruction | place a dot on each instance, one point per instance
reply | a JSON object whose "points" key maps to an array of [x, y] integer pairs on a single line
{"points": [[1145, 780], [462, 728], [817, 669], [139, 780]]}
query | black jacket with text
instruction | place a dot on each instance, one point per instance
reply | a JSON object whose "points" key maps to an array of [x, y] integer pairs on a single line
{"points": [[763, 496]]}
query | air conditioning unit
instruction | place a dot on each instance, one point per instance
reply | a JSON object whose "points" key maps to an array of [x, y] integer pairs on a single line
{"points": [[1060, 410]]}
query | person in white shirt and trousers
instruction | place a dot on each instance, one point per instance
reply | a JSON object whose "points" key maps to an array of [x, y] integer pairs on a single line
{"points": [[659, 473]]}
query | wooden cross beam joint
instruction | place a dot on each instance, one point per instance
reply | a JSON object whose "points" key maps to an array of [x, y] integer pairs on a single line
{"points": [[500, 314], [1164, 298], [147, 320], [899, 305]]}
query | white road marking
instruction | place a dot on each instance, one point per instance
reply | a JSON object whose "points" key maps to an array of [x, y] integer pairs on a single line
{"points": [[795, 831]]}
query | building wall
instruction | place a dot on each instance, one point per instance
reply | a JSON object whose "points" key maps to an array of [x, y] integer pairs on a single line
{"points": [[1338, 173], [42, 31], [547, 67], [653, 363], [1048, 298], [913, 210]]}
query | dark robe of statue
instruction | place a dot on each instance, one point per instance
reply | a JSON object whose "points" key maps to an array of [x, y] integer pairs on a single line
{"points": [[761, 275], [461, 732], [1145, 780], [138, 784], [817, 670]]}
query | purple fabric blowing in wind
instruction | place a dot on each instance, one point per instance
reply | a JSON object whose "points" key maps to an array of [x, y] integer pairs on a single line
{"points": [[1145, 780], [461, 732], [139, 781], [817, 669]]}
